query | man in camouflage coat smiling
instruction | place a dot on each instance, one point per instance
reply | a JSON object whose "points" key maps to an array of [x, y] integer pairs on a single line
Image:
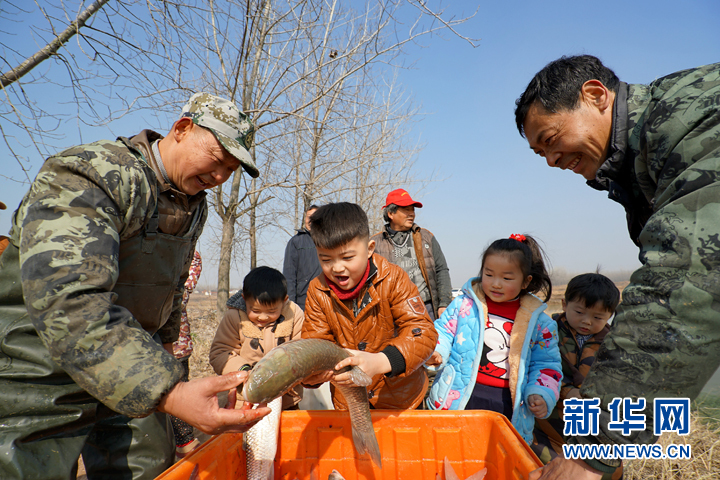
{"points": [[90, 300], [656, 149]]}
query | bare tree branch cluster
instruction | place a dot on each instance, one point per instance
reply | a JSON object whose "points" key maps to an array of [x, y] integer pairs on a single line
{"points": [[318, 77]]}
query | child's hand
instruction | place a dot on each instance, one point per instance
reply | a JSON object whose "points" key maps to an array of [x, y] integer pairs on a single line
{"points": [[537, 406], [435, 359], [319, 378], [370, 363]]}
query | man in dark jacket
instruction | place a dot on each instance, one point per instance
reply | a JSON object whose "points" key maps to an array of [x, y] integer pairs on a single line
{"points": [[301, 263], [656, 149], [416, 250]]}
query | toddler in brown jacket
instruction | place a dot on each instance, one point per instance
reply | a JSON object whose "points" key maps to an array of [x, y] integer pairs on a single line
{"points": [[258, 319], [370, 307]]}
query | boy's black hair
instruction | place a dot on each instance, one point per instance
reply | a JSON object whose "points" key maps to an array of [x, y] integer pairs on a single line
{"points": [[337, 224], [530, 258], [264, 284], [591, 288]]}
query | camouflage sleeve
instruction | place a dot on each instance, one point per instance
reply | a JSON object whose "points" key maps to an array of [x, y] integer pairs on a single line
{"points": [[72, 219], [665, 338]]}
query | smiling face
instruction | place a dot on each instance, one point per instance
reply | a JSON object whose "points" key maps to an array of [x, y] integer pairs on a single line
{"points": [[194, 159], [502, 278], [261, 314], [586, 320], [345, 266], [403, 219], [576, 140]]}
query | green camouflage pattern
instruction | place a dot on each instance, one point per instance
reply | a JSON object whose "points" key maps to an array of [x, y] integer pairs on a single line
{"points": [[665, 341], [232, 128], [83, 203]]}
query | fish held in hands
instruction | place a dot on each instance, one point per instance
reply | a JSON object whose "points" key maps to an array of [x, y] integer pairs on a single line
{"points": [[288, 364]]}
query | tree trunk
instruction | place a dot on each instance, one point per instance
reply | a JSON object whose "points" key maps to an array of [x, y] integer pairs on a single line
{"points": [[226, 247]]}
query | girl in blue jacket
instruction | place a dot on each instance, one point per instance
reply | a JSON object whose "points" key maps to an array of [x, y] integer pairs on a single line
{"points": [[497, 349]]}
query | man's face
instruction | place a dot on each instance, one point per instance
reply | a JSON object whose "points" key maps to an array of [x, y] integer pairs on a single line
{"points": [[308, 214], [586, 320], [346, 265], [574, 140], [403, 219], [199, 162]]}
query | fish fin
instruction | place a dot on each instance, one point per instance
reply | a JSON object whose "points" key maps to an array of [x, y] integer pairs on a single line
{"points": [[367, 444], [360, 378], [450, 471], [335, 475], [479, 475]]}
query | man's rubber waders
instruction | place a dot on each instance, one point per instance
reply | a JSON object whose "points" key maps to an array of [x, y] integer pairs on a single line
{"points": [[46, 419]]}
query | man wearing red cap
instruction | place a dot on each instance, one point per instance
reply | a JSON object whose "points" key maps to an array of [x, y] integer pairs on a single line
{"points": [[415, 250]]}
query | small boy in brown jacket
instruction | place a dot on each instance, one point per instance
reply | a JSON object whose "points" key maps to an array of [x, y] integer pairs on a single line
{"points": [[370, 307], [258, 319]]}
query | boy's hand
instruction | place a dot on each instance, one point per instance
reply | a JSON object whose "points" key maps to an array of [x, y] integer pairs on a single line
{"points": [[537, 406], [319, 378], [435, 359], [370, 363]]}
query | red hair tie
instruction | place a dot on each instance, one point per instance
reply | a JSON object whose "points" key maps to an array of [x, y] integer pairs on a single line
{"points": [[518, 236]]}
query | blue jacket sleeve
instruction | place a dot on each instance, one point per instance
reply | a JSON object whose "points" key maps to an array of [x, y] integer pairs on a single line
{"points": [[545, 368]]}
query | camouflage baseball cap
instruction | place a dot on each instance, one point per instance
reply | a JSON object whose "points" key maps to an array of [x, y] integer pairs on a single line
{"points": [[231, 127]]}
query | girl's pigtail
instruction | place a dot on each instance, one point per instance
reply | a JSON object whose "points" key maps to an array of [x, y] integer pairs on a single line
{"points": [[540, 277]]}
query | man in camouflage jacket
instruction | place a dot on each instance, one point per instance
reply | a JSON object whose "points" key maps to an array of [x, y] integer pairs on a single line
{"points": [[656, 149], [99, 252]]}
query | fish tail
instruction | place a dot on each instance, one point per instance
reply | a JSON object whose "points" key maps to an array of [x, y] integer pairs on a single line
{"points": [[362, 428], [365, 442]]}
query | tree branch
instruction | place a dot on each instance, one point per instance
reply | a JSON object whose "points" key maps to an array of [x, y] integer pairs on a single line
{"points": [[51, 48]]}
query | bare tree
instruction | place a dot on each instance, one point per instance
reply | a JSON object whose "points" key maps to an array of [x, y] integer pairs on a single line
{"points": [[296, 66], [282, 52]]}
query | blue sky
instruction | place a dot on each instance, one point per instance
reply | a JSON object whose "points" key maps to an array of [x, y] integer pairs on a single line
{"points": [[491, 184]]}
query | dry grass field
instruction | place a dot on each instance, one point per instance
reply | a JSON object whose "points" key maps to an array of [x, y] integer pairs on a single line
{"points": [[704, 437]]}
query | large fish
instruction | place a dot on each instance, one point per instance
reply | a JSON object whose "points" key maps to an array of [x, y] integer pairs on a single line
{"points": [[288, 364], [260, 444]]}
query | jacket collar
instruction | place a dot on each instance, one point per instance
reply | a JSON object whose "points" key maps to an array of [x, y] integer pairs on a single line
{"points": [[386, 229], [142, 143], [612, 166]]}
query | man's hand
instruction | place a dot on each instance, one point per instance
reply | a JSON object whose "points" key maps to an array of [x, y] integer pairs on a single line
{"points": [[573, 393], [196, 403], [562, 469], [440, 311], [370, 363], [537, 406], [435, 359]]}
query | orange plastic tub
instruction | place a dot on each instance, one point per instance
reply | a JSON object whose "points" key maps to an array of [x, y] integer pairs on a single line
{"points": [[413, 445]]}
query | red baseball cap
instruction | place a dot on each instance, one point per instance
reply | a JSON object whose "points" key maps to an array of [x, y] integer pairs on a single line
{"points": [[401, 198]]}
